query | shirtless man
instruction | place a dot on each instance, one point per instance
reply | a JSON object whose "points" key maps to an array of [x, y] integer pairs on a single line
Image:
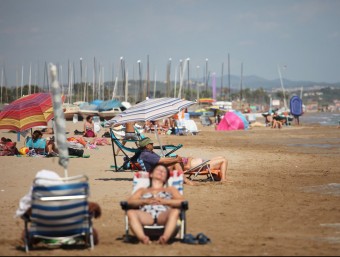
{"points": [[130, 134]]}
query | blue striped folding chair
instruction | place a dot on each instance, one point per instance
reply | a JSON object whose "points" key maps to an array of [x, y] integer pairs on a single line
{"points": [[141, 179], [59, 211]]}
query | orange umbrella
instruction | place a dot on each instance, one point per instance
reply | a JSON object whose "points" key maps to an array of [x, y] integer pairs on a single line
{"points": [[27, 112]]}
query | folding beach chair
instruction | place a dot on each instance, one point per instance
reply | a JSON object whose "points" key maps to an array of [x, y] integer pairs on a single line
{"points": [[169, 149], [59, 211], [181, 128], [205, 120], [191, 127], [202, 169], [141, 179]]}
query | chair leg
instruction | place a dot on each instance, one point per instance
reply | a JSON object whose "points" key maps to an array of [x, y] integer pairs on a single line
{"points": [[127, 236], [27, 241]]}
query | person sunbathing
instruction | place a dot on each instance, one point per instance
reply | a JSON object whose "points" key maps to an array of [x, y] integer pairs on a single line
{"points": [[89, 127], [179, 163], [219, 163], [37, 140], [156, 205]]}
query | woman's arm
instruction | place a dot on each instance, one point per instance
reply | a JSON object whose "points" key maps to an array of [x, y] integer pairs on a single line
{"points": [[170, 160], [176, 200], [135, 199]]}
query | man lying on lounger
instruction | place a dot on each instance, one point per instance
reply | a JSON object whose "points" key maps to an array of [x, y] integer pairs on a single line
{"points": [[151, 159]]}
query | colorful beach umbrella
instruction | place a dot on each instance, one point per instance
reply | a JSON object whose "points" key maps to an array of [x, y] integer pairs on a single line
{"points": [[233, 120], [151, 109], [27, 112]]}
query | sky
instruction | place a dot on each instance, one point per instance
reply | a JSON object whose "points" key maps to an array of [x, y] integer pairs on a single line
{"points": [[299, 38]]}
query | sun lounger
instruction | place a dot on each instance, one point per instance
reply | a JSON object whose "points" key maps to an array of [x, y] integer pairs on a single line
{"points": [[141, 179]]}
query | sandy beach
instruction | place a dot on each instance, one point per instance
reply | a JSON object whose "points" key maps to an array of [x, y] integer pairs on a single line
{"points": [[281, 198]]}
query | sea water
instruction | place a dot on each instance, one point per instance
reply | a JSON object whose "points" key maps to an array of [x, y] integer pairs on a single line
{"points": [[322, 118]]}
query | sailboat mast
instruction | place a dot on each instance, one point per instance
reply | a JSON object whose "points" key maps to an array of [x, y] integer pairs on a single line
{"points": [[29, 80], [229, 77], [283, 90], [22, 79], [147, 78], [241, 96], [222, 80], [154, 86], [2, 83]]}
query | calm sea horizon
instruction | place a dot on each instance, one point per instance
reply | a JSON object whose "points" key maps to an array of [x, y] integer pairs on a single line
{"points": [[322, 118]]}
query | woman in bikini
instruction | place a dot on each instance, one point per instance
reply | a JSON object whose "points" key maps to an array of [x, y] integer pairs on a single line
{"points": [[89, 127], [157, 204], [216, 163]]}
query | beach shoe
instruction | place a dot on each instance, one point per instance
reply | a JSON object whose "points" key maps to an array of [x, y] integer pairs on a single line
{"points": [[189, 239], [77, 132], [202, 239], [106, 134]]}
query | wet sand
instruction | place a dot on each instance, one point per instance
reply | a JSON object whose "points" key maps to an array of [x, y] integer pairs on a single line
{"points": [[282, 197]]}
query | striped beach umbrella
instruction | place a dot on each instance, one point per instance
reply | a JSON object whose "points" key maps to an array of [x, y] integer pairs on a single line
{"points": [[27, 112], [151, 109]]}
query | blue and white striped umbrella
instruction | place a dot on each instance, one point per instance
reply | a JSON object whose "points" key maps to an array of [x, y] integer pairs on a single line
{"points": [[151, 109]]}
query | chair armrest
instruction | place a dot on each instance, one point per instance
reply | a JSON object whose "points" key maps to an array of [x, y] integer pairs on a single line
{"points": [[184, 205], [125, 206]]}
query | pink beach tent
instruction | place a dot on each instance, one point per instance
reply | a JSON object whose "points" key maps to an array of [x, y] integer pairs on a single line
{"points": [[231, 121]]}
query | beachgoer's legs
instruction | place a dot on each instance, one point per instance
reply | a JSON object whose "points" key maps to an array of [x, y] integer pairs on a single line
{"points": [[169, 219], [123, 143], [50, 147], [137, 219], [220, 163]]}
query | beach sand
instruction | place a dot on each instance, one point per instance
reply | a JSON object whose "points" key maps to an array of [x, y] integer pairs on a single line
{"points": [[282, 197]]}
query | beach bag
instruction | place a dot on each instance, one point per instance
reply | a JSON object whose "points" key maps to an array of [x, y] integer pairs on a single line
{"points": [[24, 150], [75, 152]]}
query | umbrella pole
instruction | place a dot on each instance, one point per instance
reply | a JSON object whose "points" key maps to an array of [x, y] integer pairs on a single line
{"points": [[18, 136], [60, 124]]}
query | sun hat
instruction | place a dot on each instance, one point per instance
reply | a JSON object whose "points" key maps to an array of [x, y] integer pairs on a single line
{"points": [[145, 141]]}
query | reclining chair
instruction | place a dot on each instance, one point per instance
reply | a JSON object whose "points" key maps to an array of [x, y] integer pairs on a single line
{"points": [[202, 169], [129, 160], [141, 179]]}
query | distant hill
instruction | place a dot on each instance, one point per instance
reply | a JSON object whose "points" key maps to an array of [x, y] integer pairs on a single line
{"points": [[255, 82]]}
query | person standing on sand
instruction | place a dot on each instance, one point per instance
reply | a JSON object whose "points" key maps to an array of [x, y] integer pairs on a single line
{"points": [[130, 134]]}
